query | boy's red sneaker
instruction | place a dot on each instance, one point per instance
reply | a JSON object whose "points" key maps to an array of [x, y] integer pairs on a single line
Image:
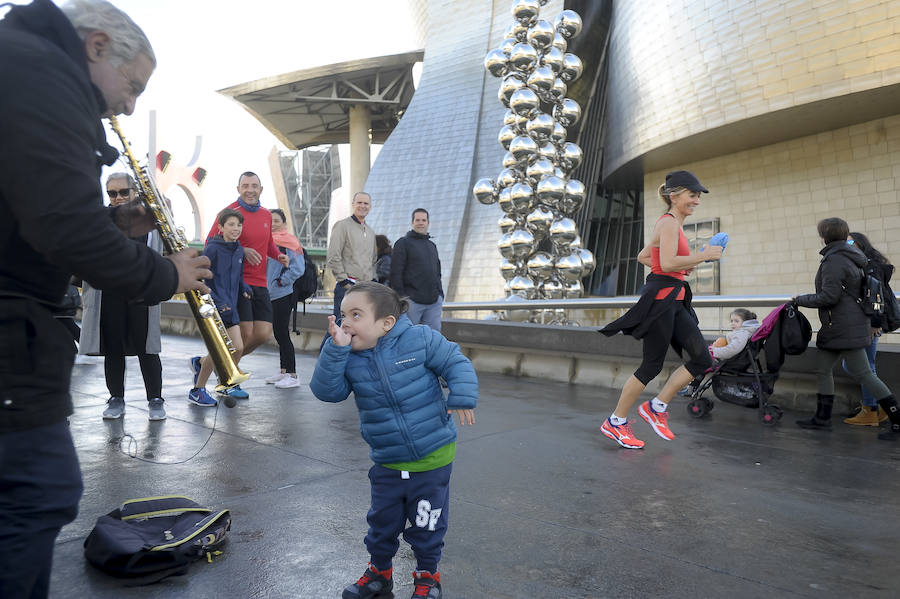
{"points": [[426, 585], [373, 584]]}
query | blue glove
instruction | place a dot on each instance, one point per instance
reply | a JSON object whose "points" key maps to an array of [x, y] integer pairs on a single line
{"points": [[717, 239]]}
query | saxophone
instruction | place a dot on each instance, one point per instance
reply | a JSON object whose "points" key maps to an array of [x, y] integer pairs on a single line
{"points": [[212, 329]]}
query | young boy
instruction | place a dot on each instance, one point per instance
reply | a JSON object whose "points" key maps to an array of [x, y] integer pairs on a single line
{"points": [[405, 418], [226, 257]]}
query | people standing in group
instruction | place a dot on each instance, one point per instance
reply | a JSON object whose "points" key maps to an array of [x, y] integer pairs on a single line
{"points": [[227, 289], [114, 327], [845, 331], [62, 71], [255, 312], [280, 280], [351, 249], [663, 315], [406, 420], [383, 251], [870, 414], [416, 272]]}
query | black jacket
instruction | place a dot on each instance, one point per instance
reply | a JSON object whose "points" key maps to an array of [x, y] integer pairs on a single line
{"points": [[54, 224], [416, 268], [844, 325]]}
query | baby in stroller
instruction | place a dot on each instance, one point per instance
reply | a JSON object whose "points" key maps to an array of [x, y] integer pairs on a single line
{"points": [[743, 325]]}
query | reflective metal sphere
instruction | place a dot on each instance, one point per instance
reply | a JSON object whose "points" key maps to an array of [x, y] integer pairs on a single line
{"points": [[540, 266], [510, 117], [485, 191], [525, 11], [567, 111], [559, 42], [539, 220], [553, 58], [509, 161], [521, 243], [495, 63], [510, 84], [504, 247], [563, 232], [551, 289], [559, 134], [587, 259], [570, 155], [504, 200], [540, 127], [576, 243], [540, 35], [522, 197], [541, 79], [524, 101], [517, 31], [508, 269], [537, 170], [571, 69], [523, 57], [523, 286], [569, 267], [551, 190], [573, 290], [568, 23], [506, 135], [575, 194], [559, 90], [522, 148], [548, 151], [508, 177], [507, 45], [506, 224]]}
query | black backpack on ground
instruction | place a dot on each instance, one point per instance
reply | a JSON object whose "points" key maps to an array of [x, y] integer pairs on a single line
{"points": [[305, 287], [155, 537]]}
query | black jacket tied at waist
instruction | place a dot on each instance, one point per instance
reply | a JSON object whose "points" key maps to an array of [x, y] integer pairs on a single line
{"points": [[638, 320]]}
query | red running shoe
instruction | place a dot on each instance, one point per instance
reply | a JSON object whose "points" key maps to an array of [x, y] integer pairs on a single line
{"points": [[621, 434], [658, 420]]}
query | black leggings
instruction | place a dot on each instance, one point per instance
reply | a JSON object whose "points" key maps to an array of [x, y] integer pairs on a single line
{"points": [[151, 370], [281, 319], [676, 325]]}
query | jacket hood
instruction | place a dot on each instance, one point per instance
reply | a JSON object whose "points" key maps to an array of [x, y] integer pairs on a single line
{"points": [[219, 240], [841, 247], [750, 325], [391, 336]]}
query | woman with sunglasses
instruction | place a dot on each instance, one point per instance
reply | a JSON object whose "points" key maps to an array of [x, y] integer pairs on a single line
{"points": [[114, 328]]}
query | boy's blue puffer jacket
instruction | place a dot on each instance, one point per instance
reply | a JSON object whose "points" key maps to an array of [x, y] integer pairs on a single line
{"points": [[226, 261], [402, 409]]}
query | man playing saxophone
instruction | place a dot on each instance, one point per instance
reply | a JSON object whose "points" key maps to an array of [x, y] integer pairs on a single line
{"points": [[62, 70]]}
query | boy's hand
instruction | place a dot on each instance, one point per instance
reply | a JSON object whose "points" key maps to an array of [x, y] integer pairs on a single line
{"points": [[466, 417], [338, 336]]}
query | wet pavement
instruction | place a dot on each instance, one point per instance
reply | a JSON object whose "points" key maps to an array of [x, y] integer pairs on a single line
{"points": [[543, 506]]}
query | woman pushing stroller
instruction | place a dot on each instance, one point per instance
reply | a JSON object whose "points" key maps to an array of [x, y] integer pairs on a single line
{"points": [[663, 314]]}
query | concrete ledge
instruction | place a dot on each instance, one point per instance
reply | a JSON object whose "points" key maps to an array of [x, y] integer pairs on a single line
{"points": [[577, 355]]}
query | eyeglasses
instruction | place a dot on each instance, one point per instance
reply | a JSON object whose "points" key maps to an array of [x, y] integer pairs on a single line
{"points": [[122, 193]]}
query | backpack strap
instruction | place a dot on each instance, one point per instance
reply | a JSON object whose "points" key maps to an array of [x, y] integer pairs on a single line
{"points": [[164, 505]]}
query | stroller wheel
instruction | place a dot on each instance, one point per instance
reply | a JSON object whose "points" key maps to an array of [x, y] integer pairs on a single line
{"points": [[709, 404], [770, 415], [698, 407]]}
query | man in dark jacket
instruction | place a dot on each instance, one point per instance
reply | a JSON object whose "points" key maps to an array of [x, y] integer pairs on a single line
{"points": [[61, 73], [844, 330], [416, 272]]}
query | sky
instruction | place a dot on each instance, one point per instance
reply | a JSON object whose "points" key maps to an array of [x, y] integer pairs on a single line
{"points": [[205, 45]]}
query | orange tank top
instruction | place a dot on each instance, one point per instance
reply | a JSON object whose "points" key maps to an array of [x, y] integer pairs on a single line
{"points": [[684, 249]]}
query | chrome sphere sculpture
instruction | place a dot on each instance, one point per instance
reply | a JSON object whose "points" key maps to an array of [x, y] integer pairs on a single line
{"points": [[536, 190]]}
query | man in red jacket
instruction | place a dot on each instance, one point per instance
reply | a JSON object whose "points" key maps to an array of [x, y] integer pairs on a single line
{"points": [[255, 312]]}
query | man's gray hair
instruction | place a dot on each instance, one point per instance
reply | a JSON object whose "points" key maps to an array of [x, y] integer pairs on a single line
{"points": [[132, 184], [128, 40]]}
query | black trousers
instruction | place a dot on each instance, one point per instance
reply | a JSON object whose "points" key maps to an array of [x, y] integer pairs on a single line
{"points": [[281, 323], [151, 371], [677, 326], [40, 485]]}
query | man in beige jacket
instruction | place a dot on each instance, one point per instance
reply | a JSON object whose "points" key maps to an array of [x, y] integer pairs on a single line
{"points": [[351, 249]]}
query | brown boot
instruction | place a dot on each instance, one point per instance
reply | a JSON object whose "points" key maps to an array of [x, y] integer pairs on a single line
{"points": [[867, 417]]}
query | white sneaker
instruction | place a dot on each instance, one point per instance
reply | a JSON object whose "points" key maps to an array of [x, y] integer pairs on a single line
{"points": [[288, 382], [275, 378]]}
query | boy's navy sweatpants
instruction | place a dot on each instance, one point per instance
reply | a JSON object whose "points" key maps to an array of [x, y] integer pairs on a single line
{"points": [[422, 500]]}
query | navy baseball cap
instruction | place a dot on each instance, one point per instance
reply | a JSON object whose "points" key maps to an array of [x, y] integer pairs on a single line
{"points": [[684, 179]]}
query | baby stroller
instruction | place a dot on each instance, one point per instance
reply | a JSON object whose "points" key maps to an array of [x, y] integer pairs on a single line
{"points": [[748, 380], [741, 380]]}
